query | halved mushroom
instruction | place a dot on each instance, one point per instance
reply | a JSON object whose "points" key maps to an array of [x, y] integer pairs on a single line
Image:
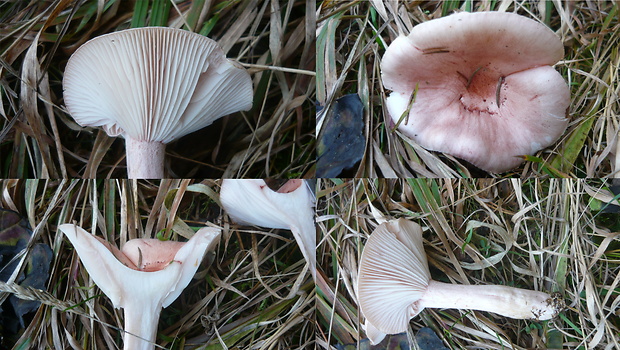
{"points": [[142, 278], [479, 86], [151, 86], [394, 285]]}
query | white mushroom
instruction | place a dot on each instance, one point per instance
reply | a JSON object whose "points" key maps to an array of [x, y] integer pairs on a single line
{"points": [[151, 86], [143, 278], [394, 285], [252, 202]]}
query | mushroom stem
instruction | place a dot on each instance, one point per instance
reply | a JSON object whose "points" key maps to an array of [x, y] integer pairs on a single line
{"points": [[507, 301], [145, 159], [141, 319]]}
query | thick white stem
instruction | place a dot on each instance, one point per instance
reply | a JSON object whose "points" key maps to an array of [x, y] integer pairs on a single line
{"points": [[145, 159], [507, 301], [141, 319]]}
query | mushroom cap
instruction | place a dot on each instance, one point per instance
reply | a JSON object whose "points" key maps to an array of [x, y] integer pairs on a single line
{"points": [[463, 65], [122, 284], [153, 83], [393, 276]]}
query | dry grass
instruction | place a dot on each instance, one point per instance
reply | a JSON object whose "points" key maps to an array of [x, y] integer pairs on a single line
{"points": [[538, 234], [274, 40], [245, 295], [353, 35]]}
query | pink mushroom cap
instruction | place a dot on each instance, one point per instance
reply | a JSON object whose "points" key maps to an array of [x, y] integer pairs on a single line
{"points": [[484, 87]]}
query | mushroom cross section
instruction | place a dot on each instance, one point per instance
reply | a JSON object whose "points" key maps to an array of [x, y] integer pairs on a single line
{"points": [[142, 278], [479, 86], [151, 86], [394, 285]]}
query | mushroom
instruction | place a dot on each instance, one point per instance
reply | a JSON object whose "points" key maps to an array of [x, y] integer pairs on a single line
{"points": [[142, 278], [394, 285], [152, 86], [478, 86], [252, 202]]}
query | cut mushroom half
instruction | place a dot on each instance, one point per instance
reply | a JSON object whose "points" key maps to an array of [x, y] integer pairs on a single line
{"points": [[252, 202], [142, 278], [394, 285], [152, 86], [478, 86]]}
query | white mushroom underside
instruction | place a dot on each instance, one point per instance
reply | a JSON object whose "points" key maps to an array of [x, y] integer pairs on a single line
{"points": [[393, 275], [153, 84]]}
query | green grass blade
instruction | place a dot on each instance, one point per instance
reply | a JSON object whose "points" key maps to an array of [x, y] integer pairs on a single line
{"points": [[194, 14], [160, 13], [565, 161], [208, 26], [140, 13]]}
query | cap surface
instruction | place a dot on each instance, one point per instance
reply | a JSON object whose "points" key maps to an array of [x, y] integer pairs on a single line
{"points": [[485, 89], [393, 275], [150, 254], [153, 83]]}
